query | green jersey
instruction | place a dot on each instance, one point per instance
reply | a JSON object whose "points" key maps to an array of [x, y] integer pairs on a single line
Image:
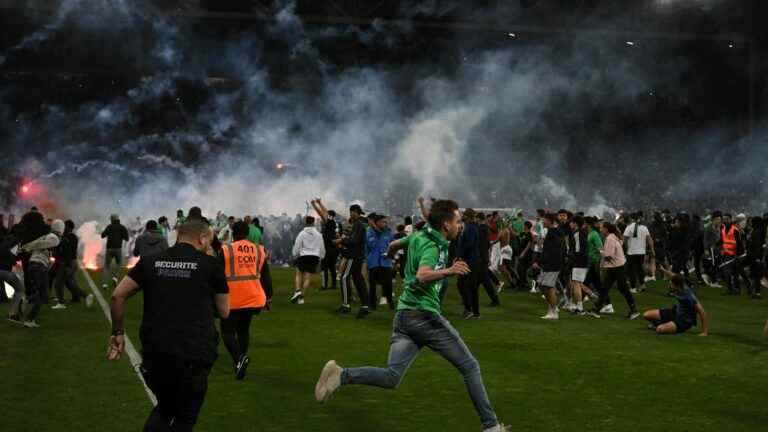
{"points": [[254, 234], [426, 248], [595, 244], [518, 225]]}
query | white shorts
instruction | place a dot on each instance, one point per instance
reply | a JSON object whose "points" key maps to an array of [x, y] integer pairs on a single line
{"points": [[579, 274], [548, 279]]}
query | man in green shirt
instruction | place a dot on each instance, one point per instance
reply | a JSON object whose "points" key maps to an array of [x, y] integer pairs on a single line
{"points": [[418, 321], [594, 245], [518, 223]]}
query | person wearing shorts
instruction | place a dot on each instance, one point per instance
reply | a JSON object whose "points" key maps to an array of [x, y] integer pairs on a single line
{"points": [[681, 317], [309, 249], [550, 263], [580, 263]]}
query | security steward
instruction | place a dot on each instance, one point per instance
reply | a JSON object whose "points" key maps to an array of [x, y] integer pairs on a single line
{"points": [[243, 262], [183, 290]]}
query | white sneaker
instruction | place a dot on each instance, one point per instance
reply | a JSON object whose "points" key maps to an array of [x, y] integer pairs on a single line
{"points": [[59, 306], [115, 281], [296, 296], [607, 309], [706, 279], [500, 287], [383, 301], [31, 324], [300, 300], [329, 382], [89, 300], [553, 316], [633, 290], [498, 428], [104, 286]]}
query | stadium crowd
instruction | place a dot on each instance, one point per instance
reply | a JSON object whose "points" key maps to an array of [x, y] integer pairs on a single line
{"points": [[568, 258]]}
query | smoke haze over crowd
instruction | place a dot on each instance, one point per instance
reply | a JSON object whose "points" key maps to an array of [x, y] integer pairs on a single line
{"points": [[489, 119]]}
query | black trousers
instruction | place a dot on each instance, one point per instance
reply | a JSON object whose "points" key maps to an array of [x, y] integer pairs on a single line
{"points": [[180, 388], [484, 275], [380, 276], [616, 276], [756, 270], [328, 265], [523, 265], [266, 279], [236, 331], [635, 272], [354, 274], [469, 290]]}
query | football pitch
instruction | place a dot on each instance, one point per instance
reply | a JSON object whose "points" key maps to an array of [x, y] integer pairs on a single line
{"points": [[579, 373]]}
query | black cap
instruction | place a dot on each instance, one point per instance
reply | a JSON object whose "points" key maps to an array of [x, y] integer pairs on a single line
{"points": [[357, 209], [377, 217]]}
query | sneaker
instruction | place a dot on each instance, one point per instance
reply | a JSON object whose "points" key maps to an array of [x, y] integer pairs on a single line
{"points": [[329, 381], [383, 301], [467, 314], [592, 314], [633, 290], [552, 316], [345, 309], [15, 319], [300, 300], [498, 428], [650, 279], [607, 309], [295, 297], [89, 300], [59, 306], [115, 281], [651, 326], [633, 315], [500, 287], [31, 324], [757, 296], [242, 366], [104, 286], [363, 312]]}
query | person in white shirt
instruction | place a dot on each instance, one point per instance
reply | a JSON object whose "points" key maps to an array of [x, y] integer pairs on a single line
{"points": [[308, 249], [638, 242], [225, 235]]}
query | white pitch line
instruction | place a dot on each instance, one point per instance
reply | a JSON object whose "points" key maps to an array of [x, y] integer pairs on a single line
{"points": [[133, 355]]}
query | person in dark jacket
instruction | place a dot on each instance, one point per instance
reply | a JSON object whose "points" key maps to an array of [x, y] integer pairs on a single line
{"points": [[697, 245], [354, 244], [484, 271], [755, 253], [66, 260], [680, 244], [579, 263], [468, 250], [151, 241], [551, 263], [116, 234]]}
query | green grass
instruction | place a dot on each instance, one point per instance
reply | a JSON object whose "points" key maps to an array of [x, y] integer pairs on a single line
{"points": [[576, 374]]}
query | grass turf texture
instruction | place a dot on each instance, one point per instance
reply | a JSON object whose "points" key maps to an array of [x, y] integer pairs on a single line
{"points": [[576, 374]]}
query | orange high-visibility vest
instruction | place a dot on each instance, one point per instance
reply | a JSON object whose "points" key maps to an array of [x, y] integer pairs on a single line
{"points": [[243, 262], [729, 240]]}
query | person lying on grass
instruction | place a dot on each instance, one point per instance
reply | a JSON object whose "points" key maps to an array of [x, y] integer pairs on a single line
{"points": [[681, 317]]}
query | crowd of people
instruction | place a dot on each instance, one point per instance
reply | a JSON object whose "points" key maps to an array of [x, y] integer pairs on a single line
{"points": [[220, 268]]}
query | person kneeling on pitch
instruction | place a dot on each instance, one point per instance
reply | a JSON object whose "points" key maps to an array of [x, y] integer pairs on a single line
{"points": [[182, 288], [681, 317], [418, 321]]}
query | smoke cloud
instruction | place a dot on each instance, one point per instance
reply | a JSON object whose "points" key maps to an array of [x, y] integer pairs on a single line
{"points": [[526, 125]]}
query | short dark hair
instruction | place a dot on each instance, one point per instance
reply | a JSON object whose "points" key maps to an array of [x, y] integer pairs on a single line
{"points": [[541, 212], [151, 225], [717, 213], [408, 220], [528, 224], [551, 217], [309, 221], [69, 225], [239, 231], [480, 216], [331, 213], [195, 213], [442, 211], [578, 220], [676, 280], [193, 228], [401, 227], [231, 218], [469, 215]]}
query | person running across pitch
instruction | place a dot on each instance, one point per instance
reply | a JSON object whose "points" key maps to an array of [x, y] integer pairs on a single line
{"points": [[580, 263], [242, 262], [681, 317], [308, 249], [355, 246], [613, 263], [419, 322], [380, 265], [183, 287]]}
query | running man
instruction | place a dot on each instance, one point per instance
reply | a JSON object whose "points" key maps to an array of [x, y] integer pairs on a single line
{"points": [[418, 321]]}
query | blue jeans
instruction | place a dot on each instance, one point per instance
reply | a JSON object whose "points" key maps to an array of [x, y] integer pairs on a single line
{"points": [[413, 330]]}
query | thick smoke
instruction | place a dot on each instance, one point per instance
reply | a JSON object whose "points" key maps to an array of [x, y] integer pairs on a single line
{"points": [[494, 127]]}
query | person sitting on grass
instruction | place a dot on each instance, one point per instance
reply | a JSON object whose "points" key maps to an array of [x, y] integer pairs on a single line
{"points": [[681, 317]]}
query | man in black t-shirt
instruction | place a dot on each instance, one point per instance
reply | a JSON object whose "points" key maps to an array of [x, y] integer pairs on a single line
{"points": [[183, 290], [331, 231], [116, 234]]}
